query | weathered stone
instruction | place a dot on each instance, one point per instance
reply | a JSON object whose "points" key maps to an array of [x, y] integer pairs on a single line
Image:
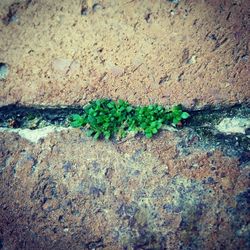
{"points": [[233, 125], [33, 135], [180, 190], [65, 66], [72, 195]]}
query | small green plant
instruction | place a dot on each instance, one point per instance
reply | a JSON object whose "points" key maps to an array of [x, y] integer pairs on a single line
{"points": [[106, 118]]}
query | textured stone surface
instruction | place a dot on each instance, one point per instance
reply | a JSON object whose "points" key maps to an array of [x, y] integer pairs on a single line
{"points": [[70, 192], [33, 135], [234, 125], [195, 53], [178, 191]]}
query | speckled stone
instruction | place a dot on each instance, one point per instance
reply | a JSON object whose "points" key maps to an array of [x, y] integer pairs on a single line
{"points": [[71, 192]]}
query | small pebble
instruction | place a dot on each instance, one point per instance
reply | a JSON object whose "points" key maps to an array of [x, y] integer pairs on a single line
{"points": [[4, 70], [96, 7]]}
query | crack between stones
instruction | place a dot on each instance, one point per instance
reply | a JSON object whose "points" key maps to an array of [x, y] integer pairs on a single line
{"points": [[206, 124]]}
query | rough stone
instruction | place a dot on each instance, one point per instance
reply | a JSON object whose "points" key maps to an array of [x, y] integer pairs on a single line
{"points": [[233, 125], [59, 56], [65, 66], [86, 195], [62, 190], [33, 135]]}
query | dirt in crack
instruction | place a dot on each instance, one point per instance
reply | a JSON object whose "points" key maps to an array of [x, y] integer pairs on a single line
{"points": [[14, 116], [227, 128]]}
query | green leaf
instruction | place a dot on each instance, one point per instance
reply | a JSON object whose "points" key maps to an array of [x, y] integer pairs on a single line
{"points": [[91, 111], [107, 135], [96, 136], [76, 124], [154, 130], [149, 135], [91, 119], [98, 102], [110, 105], [153, 124], [169, 117], [77, 120], [123, 134], [148, 130], [185, 115], [129, 109], [176, 108], [75, 117], [176, 120], [121, 102], [121, 108], [89, 132], [143, 125]]}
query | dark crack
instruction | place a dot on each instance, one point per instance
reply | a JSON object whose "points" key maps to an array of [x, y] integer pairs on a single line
{"points": [[199, 130]]}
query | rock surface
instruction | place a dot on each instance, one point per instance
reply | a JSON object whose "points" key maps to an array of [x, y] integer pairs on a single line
{"points": [[70, 192], [140, 51], [62, 190], [33, 135], [234, 125]]}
